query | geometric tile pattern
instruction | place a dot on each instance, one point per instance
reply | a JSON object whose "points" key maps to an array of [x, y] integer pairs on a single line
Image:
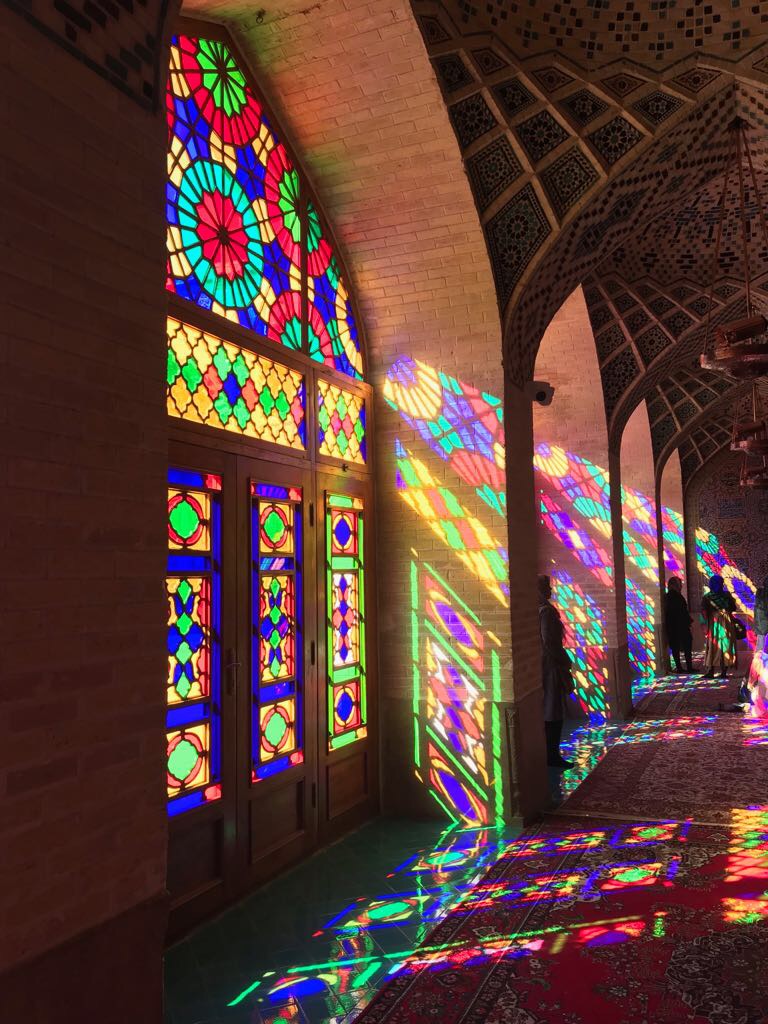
{"points": [[583, 106], [512, 96], [452, 73], [492, 170], [540, 134], [471, 118], [120, 41], [513, 236], [567, 180], [615, 139], [657, 107]]}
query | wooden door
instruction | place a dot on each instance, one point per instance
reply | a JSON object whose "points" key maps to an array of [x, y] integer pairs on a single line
{"points": [[347, 720], [271, 675], [277, 681], [201, 713]]}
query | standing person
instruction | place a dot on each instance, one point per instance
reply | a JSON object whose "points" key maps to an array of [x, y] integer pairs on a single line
{"points": [[717, 607], [757, 681], [678, 623], [555, 674]]}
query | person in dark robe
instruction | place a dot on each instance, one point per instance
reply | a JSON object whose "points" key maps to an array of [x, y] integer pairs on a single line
{"points": [[757, 680], [717, 608], [556, 677], [677, 620]]}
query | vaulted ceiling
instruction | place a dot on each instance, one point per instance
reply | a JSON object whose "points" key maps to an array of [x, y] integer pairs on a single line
{"points": [[595, 136]]}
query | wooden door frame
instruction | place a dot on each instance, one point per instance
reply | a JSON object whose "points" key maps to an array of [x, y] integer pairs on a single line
{"points": [[189, 909], [333, 479]]}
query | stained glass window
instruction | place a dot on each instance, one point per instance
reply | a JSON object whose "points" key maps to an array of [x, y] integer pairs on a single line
{"points": [[277, 694], [232, 204], [345, 596], [239, 243], [193, 590], [332, 332], [214, 382], [340, 423]]}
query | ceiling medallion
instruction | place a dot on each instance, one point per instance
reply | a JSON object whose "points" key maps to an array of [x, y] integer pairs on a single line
{"points": [[739, 347]]}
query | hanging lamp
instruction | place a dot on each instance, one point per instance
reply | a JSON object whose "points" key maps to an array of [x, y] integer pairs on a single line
{"points": [[754, 473], [738, 347], [750, 436]]}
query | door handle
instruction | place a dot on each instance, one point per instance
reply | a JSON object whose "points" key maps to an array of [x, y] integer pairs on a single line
{"points": [[231, 666]]}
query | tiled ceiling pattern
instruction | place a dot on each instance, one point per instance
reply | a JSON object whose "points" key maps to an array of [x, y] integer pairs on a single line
{"points": [[595, 136], [711, 432], [651, 33]]}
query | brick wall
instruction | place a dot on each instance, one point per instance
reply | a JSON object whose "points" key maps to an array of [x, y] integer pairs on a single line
{"points": [[82, 457], [643, 604], [575, 422], [737, 516]]}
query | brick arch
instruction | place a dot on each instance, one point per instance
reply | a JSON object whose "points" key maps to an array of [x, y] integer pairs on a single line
{"points": [[568, 156]]}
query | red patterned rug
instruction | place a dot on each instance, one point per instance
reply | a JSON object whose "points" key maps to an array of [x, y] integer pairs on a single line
{"points": [[686, 695], [690, 768], [599, 922]]}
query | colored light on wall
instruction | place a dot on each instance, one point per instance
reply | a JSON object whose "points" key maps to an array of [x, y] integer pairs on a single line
{"points": [[451, 521], [238, 237], [641, 634], [341, 423], [713, 559], [219, 384], [456, 690], [277, 693], [573, 537], [346, 620], [462, 425], [193, 588], [587, 643]]}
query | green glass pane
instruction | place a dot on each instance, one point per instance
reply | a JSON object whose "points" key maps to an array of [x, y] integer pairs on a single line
{"points": [[275, 730], [274, 526], [282, 405], [184, 519], [191, 374], [173, 368], [182, 760]]}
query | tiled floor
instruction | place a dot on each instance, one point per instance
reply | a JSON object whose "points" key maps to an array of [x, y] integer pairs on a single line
{"points": [[314, 945]]}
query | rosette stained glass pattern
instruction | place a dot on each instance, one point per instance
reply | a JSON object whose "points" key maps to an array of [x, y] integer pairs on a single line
{"points": [[193, 589], [332, 332], [232, 202], [276, 651], [340, 423], [345, 594], [214, 382]]}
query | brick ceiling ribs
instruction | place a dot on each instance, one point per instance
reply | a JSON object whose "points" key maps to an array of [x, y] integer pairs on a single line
{"points": [[594, 138]]}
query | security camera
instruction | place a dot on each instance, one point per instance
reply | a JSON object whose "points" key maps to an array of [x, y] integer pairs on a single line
{"points": [[540, 392]]}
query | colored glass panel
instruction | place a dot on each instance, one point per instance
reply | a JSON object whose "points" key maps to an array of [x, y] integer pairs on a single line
{"points": [[332, 331], [277, 693], [345, 597], [232, 202], [193, 589], [189, 637], [341, 423], [222, 385], [346, 619], [189, 513]]}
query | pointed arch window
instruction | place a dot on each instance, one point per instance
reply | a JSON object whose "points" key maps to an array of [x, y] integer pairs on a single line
{"points": [[245, 241]]}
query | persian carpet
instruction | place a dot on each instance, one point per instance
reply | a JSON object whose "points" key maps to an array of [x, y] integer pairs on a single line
{"points": [[686, 695], [695, 768], [599, 922]]}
